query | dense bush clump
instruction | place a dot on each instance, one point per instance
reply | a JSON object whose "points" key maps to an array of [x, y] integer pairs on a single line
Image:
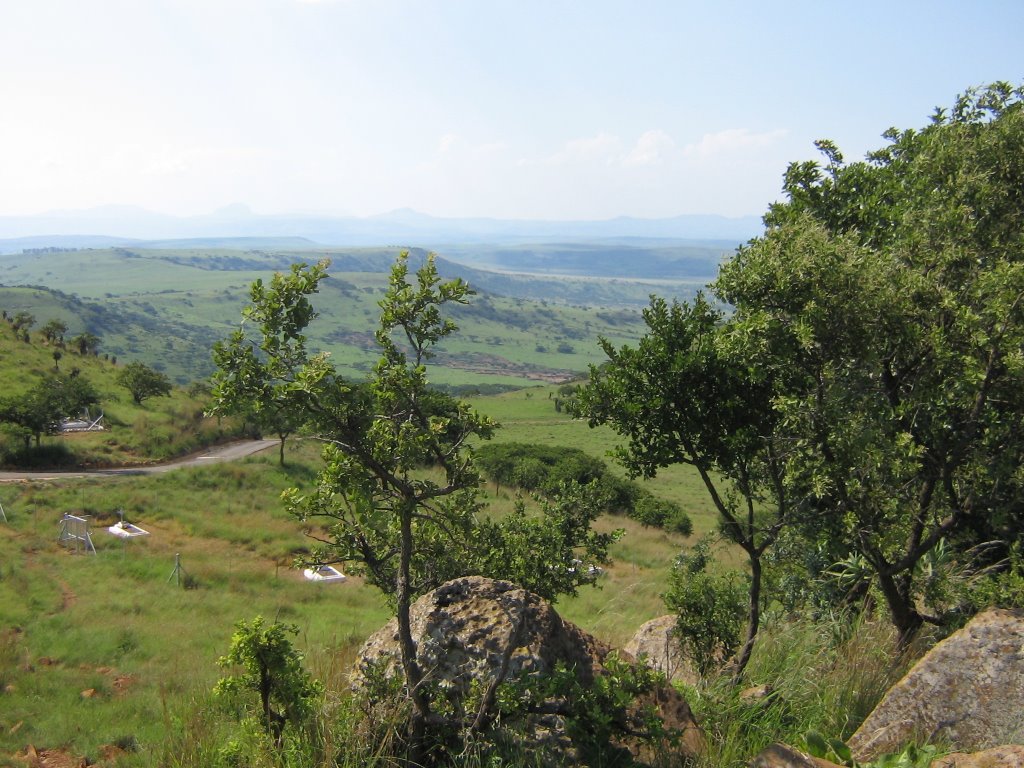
{"points": [[543, 469]]}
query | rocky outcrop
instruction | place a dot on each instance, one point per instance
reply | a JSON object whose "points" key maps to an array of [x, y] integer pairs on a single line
{"points": [[1007, 756], [968, 691], [656, 645], [785, 756], [473, 634]]}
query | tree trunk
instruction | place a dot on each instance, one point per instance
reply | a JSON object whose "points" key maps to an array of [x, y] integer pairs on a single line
{"points": [[280, 453], [413, 675], [904, 616], [753, 618]]}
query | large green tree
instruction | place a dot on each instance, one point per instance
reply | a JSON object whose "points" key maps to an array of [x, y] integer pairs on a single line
{"points": [[869, 383], [398, 495], [891, 290]]}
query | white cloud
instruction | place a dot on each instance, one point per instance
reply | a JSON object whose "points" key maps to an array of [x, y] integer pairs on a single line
{"points": [[447, 143], [652, 148], [732, 140], [603, 148]]}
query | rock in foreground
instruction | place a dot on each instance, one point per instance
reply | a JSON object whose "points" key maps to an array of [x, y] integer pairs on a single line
{"points": [[968, 691], [474, 633]]}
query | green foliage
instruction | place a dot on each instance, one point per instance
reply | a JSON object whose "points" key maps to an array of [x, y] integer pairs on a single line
{"points": [[54, 331], [550, 554], [595, 712], [662, 513], [39, 411], [834, 750], [86, 343], [709, 609], [545, 469], [1004, 586], [273, 670], [143, 382], [683, 395], [889, 296], [398, 494]]}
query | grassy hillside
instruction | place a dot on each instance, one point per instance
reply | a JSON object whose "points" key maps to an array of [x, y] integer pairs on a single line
{"points": [[92, 649], [111, 658], [167, 307], [159, 428]]}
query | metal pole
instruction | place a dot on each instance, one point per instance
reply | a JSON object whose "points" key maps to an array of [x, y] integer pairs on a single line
{"points": [[176, 573]]}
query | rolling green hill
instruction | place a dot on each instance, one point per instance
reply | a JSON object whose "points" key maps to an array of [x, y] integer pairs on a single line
{"points": [[167, 307]]}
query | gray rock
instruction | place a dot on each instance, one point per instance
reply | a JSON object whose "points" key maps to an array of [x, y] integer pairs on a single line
{"points": [[655, 643], [783, 756], [1006, 756], [968, 691], [472, 633]]}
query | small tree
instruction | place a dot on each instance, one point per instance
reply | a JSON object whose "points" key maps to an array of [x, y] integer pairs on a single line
{"points": [[272, 669], [23, 321], [399, 493], [54, 331], [143, 382], [86, 343], [40, 410], [684, 395], [708, 608]]}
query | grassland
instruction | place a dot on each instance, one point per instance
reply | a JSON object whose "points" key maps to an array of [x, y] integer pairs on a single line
{"points": [[104, 650], [167, 307], [107, 649], [158, 429], [109, 655]]}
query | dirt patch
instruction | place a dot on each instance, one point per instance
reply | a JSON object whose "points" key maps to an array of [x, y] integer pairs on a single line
{"points": [[50, 758], [67, 595]]}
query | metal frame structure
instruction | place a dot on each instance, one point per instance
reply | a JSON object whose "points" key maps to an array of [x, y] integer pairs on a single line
{"points": [[74, 531]]}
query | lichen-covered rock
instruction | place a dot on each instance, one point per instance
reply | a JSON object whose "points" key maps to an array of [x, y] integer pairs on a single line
{"points": [[655, 643], [1006, 756], [968, 691], [783, 756], [473, 633]]}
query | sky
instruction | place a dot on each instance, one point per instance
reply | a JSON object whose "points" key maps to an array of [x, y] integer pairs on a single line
{"points": [[522, 109]]}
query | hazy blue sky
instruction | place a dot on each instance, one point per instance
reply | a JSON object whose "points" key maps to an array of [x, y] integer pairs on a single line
{"points": [[523, 109]]}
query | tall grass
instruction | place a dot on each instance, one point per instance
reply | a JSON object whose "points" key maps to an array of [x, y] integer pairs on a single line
{"points": [[821, 675]]}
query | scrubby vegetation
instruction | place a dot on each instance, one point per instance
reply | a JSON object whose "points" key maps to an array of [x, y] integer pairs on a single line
{"points": [[87, 386], [545, 469], [849, 435]]}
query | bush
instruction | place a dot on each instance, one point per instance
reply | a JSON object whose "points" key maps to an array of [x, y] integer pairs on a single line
{"points": [[651, 511], [546, 468], [709, 607]]}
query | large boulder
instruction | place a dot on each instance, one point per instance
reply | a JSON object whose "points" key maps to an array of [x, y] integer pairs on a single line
{"points": [[968, 692], [655, 644], [473, 633]]}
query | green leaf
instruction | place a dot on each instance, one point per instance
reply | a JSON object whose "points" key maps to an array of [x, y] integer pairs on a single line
{"points": [[816, 744]]}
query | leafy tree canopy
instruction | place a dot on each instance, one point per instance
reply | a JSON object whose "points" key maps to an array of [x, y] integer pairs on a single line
{"points": [[143, 382], [866, 393]]}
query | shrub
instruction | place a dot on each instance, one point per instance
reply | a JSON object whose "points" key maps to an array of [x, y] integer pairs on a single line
{"points": [[709, 608]]}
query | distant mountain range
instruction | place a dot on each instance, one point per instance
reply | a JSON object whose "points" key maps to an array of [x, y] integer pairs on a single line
{"points": [[237, 227]]}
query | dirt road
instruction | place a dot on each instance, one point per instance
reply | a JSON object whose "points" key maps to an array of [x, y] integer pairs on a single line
{"points": [[228, 452]]}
